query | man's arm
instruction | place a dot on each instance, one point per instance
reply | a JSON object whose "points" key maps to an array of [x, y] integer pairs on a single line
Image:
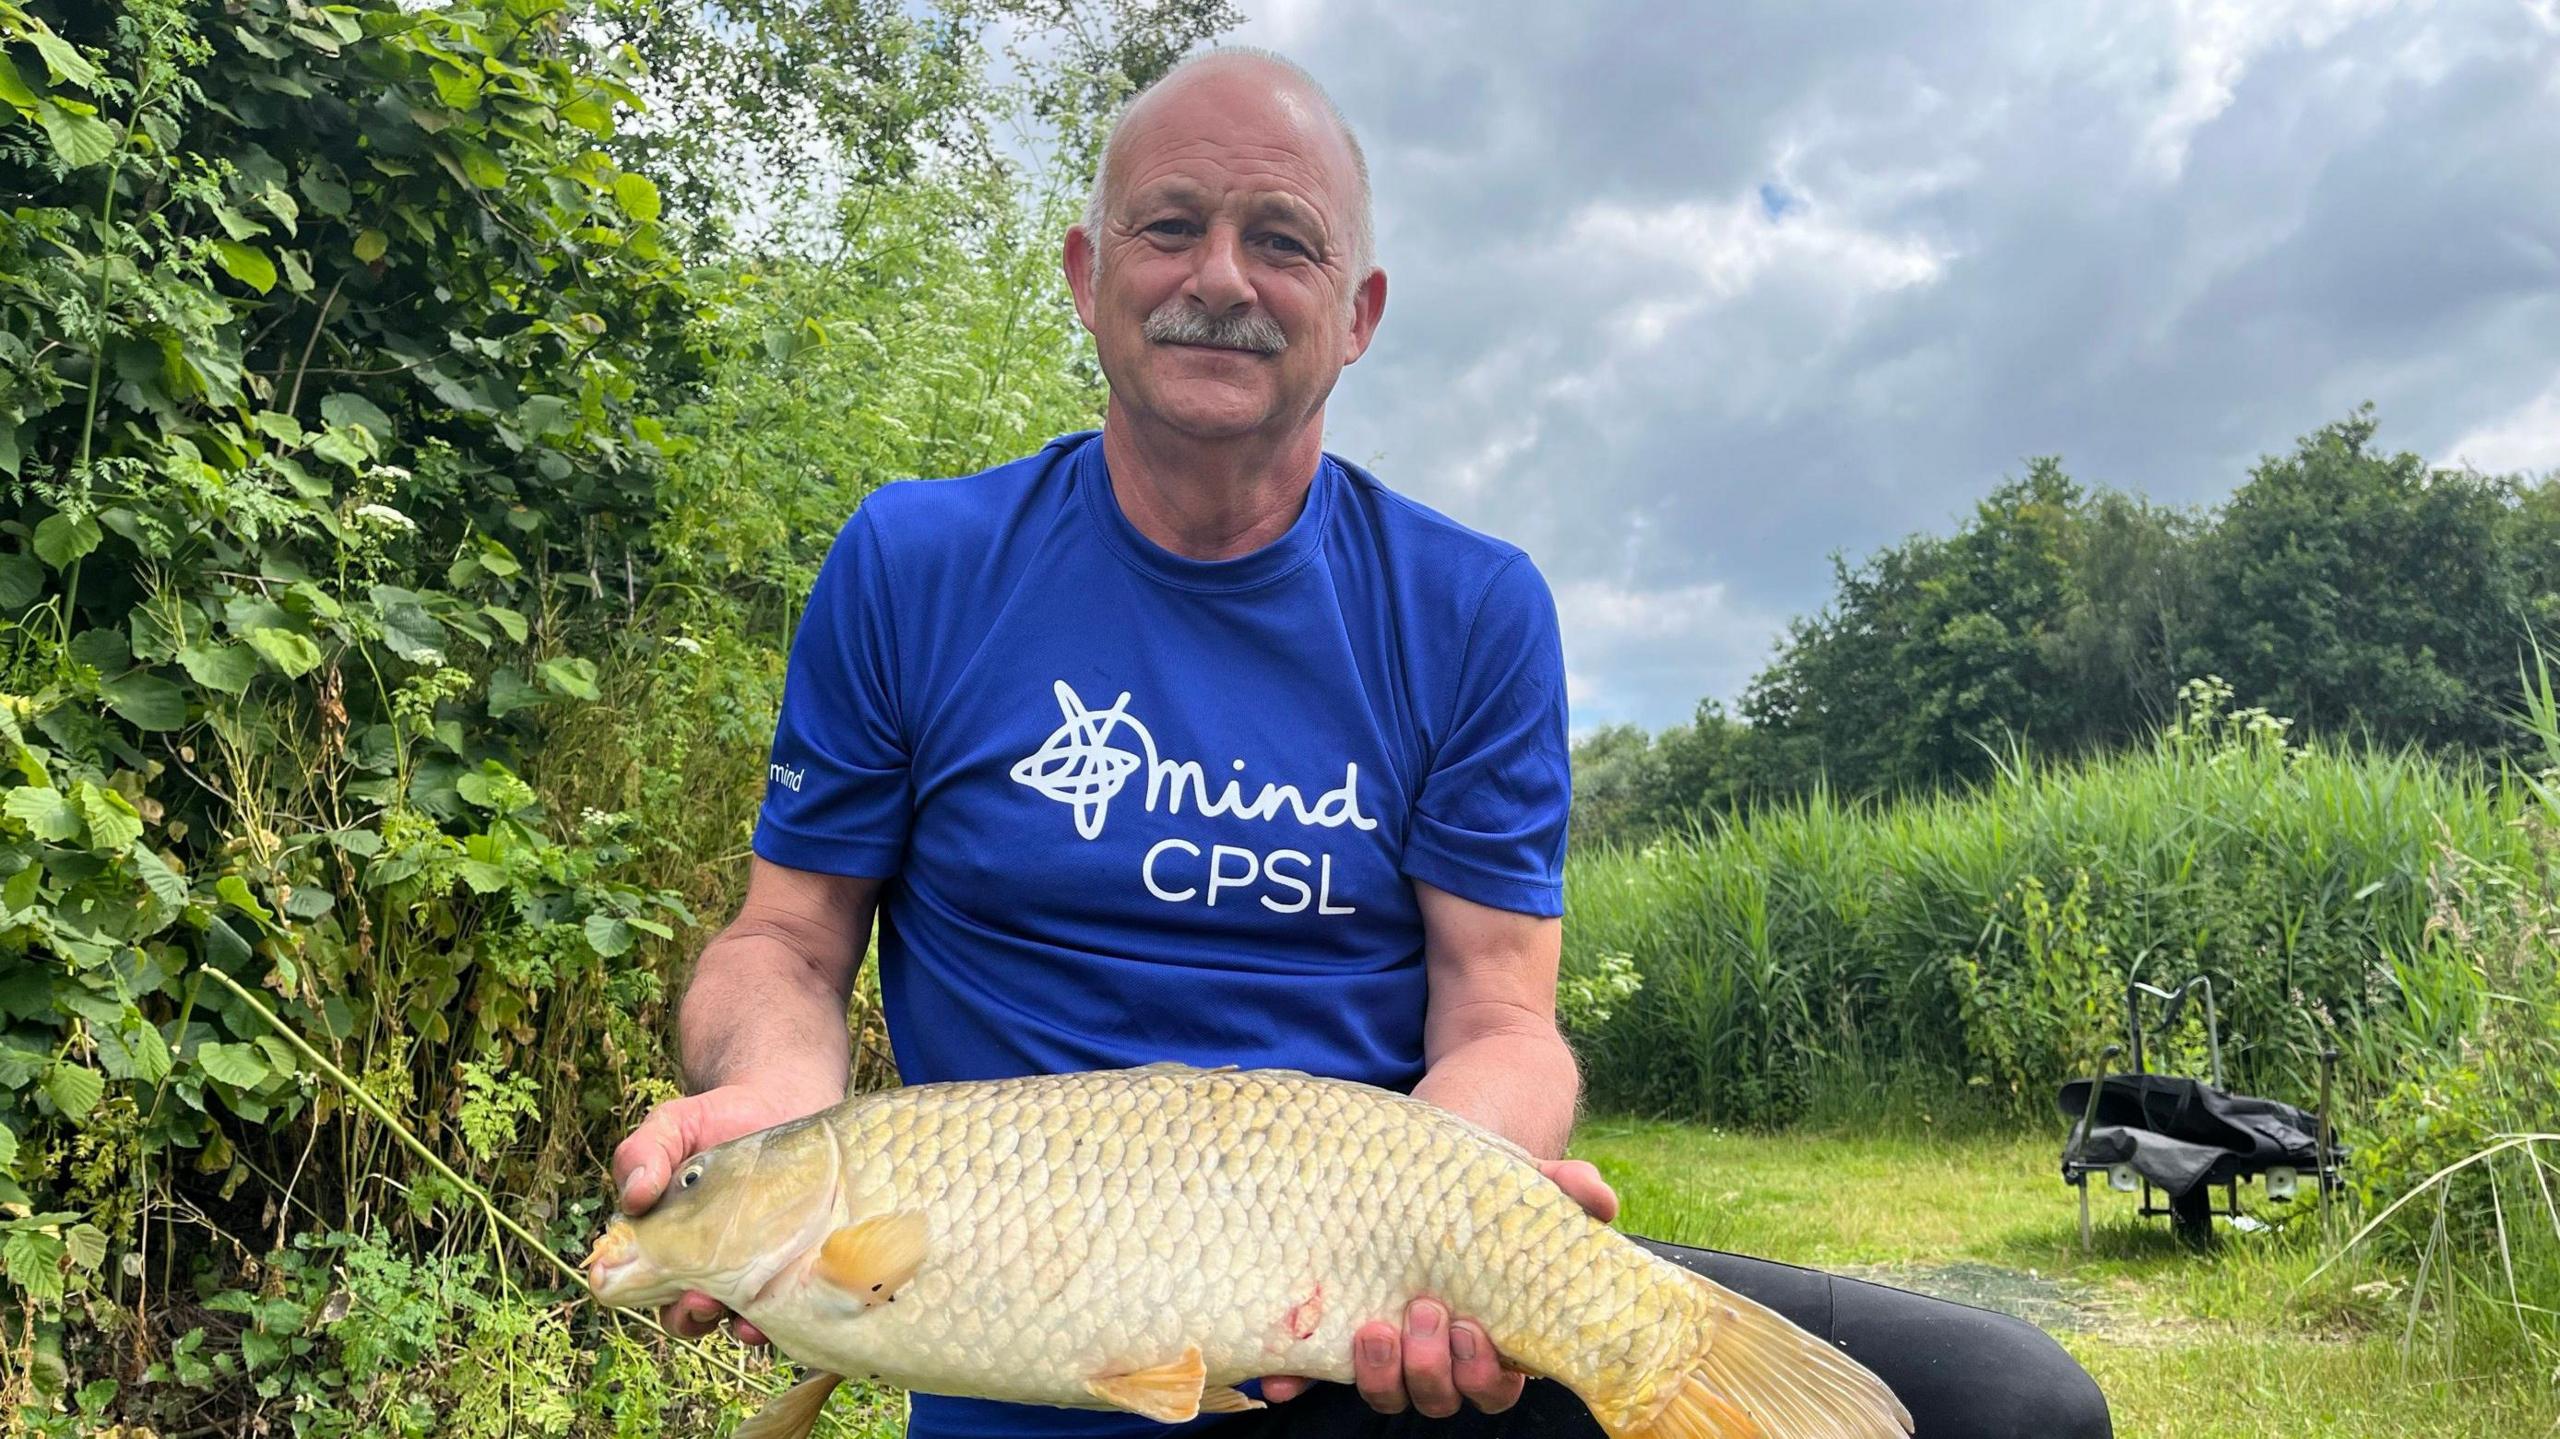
{"points": [[761, 1032], [1490, 1048]]}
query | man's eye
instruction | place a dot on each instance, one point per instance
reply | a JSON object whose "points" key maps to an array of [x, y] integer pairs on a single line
{"points": [[1170, 227], [1285, 244]]}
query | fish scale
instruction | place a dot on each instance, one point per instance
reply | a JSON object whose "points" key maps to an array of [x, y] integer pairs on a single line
{"points": [[1148, 1238]]}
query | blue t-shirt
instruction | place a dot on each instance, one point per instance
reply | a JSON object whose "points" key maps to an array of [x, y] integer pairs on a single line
{"points": [[1137, 807]]}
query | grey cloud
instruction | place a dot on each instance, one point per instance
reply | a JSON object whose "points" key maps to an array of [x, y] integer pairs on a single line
{"points": [[2160, 241]]}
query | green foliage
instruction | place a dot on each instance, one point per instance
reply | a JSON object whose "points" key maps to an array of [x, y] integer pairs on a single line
{"points": [[1973, 948], [2362, 594]]}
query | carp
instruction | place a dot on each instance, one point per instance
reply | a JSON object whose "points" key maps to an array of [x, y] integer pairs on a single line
{"points": [[1147, 1239]]}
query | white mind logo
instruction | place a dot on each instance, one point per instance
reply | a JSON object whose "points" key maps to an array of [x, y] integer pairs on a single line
{"points": [[1078, 766]]}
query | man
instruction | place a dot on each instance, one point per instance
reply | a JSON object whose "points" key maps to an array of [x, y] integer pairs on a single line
{"points": [[1186, 741]]}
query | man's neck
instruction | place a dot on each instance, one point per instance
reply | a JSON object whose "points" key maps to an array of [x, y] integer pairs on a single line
{"points": [[1210, 500]]}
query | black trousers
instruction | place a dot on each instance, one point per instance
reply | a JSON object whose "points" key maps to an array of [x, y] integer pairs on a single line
{"points": [[1964, 1373]]}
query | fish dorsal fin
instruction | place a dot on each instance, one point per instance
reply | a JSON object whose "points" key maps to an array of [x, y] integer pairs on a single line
{"points": [[1167, 1393], [792, 1414], [873, 1259]]}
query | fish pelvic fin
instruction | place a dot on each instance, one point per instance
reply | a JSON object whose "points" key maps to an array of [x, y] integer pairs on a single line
{"points": [[1170, 1393], [1220, 1399], [872, 1260], [1762, 1377], [793, 1413]]}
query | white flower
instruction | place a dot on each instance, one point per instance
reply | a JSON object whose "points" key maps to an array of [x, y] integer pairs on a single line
{"points": [[385, 516]]}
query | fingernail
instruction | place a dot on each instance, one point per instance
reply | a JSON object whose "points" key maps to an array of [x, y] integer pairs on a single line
{"points": [[1462, 1342], [1376, 1351], [1424, 1320]]}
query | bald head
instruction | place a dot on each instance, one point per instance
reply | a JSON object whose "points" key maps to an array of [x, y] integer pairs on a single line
{"points": [[1269, 75]]}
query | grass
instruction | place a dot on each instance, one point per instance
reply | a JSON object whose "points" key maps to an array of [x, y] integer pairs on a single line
{"points": [[2243, 1341]]}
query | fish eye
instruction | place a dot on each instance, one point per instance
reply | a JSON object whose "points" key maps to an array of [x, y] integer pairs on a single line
{"points": [[691, 1177]]}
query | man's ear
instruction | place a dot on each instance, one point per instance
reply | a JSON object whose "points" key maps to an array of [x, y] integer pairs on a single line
{"points": [[1078, 259], [1368, 304]]}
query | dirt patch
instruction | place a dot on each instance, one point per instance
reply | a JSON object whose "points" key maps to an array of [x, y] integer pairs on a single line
{"points": [[2042, 1300]]}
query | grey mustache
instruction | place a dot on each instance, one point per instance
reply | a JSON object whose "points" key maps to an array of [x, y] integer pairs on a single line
{"points": [[1180, 324]]}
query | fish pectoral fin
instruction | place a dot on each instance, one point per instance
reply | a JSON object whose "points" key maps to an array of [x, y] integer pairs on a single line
{"points": [[791, 1415], [874, 1259], [1220, 1399], [1169, 1393]]}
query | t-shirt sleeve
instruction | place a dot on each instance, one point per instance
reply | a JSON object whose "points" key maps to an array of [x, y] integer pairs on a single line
{"points": [[837, 796], [1489, 824]]}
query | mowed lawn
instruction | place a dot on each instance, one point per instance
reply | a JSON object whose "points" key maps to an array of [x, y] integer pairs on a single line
{"points": [[2239, 1342]]}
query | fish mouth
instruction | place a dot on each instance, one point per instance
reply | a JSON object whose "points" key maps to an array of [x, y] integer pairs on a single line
{"points": [[613, 1264]]}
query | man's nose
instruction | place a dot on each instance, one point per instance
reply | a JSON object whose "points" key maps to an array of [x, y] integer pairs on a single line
{"points": [[1218, 280]]}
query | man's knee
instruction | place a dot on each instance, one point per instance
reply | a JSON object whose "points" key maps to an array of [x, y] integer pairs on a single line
{"points": [[2037, 1390]]}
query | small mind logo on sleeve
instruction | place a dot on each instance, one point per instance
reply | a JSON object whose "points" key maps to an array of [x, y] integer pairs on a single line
{"points": [[1080, 767]]}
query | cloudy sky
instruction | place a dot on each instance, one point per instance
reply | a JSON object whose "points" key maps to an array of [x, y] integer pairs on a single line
{"points": [[1686, 298]]}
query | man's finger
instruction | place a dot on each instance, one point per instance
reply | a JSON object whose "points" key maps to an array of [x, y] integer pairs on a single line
{"points": [[1377, 1367], [1580, 1180], [693, 1315], [1281, 1388], [1481, 1379], [1426, 1359], [642, 1162]]}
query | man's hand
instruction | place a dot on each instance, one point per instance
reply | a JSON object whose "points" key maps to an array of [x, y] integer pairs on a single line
{"points": [[682, 1128], [1437, 1363]]}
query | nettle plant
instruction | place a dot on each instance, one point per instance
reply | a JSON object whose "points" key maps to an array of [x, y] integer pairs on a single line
{"points": [[326, 337]]}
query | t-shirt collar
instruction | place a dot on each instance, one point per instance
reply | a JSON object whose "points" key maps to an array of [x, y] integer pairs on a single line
{"points": [[1090, 473]]}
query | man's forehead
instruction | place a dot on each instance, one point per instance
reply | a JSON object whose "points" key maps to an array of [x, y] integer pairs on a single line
{"points": [[1256, 196], [1240, 119]]}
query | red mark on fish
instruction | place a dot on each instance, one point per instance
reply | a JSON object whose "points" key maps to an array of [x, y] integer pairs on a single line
{"points": [[1303, 1316]]}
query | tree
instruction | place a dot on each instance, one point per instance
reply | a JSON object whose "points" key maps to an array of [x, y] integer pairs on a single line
{"points": [[2358, 591]]}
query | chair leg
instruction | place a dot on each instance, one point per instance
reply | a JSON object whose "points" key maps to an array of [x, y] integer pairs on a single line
{"points": [[2084, 1214]]}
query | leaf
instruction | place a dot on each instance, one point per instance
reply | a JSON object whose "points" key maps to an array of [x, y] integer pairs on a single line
{"points": [[482, 876], [345, 407], [60, 58], [13, 87], [345, 447], [326, 195], [637, 197], [607, 935], [148, 701], [34, 1262], [75, 1089], [113, 822], [81, 140], [234, 891], [60, 539], [371, 245], [166, 884], [48, 814], [413, 634], [21, 581], [507, 620], [247, 264], [87, 1243], [217, 666], [295, 655], [573, 677], [498, 560], [239, 1065], [508, 692], [8, 1147]]}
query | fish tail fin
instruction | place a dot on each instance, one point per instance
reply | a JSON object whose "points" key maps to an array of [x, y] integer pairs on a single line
{"points": [[1694, 1411], [1762, 1377]]}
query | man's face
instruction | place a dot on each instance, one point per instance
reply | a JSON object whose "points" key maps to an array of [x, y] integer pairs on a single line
{"points": [[1226, 306]]}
